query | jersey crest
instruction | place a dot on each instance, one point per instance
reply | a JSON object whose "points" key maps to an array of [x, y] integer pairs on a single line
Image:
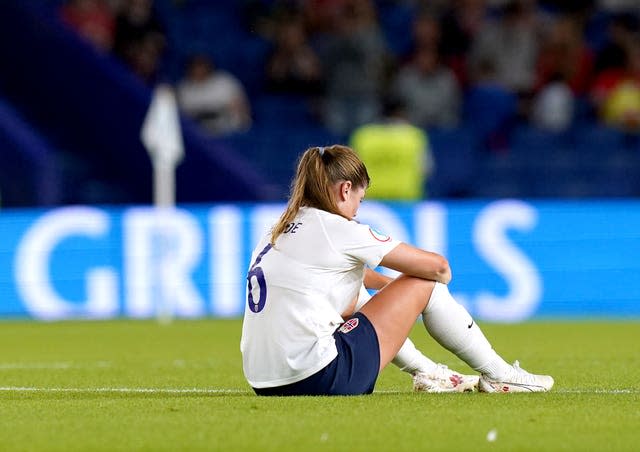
{"points": [[349, 325]]}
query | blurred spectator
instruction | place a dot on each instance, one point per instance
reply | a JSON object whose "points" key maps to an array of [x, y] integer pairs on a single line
{"points": [[619, 5], [621, 30], [397, 155], [490, 108], [510, 42], [460, 25], [321, 15], [258, 17], [140, 38], [429, 90], [616, 92], [355, 59], [265, 17], [91, 19], [425, 32], [565, 55], [214, 98], [553, 105], [293, 67], [564, 72]]}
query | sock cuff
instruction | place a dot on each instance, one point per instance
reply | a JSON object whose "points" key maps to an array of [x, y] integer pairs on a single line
{"points": [[435, 297]]}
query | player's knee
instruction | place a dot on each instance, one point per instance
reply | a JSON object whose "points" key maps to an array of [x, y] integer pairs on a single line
{"points": [[414, 280], [423, 287]]}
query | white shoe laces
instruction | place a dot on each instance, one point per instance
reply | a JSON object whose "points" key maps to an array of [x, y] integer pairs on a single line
{"points": [[442, 372], [521, 375]]}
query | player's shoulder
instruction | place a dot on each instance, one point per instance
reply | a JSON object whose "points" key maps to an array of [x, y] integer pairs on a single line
{"points": [[328, 219], [341, 229]]}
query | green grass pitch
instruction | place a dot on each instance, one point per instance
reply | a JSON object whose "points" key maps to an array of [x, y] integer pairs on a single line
{"points": [[138, 385]]}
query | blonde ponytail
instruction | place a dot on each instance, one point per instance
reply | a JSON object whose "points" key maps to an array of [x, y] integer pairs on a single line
{"points": [[317, 170]]}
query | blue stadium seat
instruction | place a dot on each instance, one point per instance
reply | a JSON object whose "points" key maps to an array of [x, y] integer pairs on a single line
{"points": [[396, 22], [536, 147], [274, 149], [559, 183], [597, 140], [501, 175], [30, 172], [275, 109], [251, 62], [490, 110], [454, 151], [619, 174]]}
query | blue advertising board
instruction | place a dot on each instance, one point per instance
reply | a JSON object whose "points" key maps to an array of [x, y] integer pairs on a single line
{"points": [[512, 260]]}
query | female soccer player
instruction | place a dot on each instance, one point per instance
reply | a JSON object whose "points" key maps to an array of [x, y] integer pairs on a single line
{"points": [[301, 333]]}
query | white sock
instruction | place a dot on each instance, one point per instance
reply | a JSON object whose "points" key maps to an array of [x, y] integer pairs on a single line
{"points": [[409, 359], [450, 324]]}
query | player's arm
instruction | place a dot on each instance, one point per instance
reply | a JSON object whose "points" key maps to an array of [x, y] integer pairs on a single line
{"points": [[413, 261], [374, 280]]}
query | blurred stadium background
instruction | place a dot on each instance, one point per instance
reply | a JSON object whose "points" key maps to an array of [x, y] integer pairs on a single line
{"points": [[71, 114], [71, 109]]}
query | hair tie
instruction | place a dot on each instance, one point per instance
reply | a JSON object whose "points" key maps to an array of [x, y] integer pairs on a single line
{"points": [[321, 150]]}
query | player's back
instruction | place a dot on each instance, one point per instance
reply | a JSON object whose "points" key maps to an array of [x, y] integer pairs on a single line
{"points": [[295, 293]]}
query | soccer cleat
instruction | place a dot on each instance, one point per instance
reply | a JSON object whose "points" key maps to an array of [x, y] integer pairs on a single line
{"points": [[444, 379], [519, 380]]}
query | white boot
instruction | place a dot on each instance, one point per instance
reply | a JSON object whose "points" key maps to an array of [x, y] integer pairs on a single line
{"points": [[517, 380]]}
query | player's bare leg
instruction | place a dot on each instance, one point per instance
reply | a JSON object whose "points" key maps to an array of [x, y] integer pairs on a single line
{"points": [[393, 311], [427, 376]]}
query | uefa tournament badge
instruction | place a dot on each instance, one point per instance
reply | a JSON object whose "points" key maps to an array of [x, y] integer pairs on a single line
{"points": [[379, 236]]}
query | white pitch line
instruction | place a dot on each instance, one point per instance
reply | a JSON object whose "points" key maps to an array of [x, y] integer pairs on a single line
{"points": [[598, 391], [559, 391], [60, 365], [126, 390], [205, 391]]}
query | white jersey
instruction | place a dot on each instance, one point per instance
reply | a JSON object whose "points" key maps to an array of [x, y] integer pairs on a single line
{"points": [[297, 290]]}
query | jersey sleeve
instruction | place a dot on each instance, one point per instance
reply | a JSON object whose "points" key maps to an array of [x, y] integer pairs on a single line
{"points": [[363, 243]]}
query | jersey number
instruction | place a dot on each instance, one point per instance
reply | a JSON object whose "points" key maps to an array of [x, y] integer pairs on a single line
{"points": [[256, 273]]}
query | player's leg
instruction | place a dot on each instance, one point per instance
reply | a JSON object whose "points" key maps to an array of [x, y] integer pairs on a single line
{"points": [[427, 375], [450, 324], [393, 311]]}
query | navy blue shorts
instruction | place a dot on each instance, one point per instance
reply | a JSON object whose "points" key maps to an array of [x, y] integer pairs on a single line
{"points": [[353, 372]]}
